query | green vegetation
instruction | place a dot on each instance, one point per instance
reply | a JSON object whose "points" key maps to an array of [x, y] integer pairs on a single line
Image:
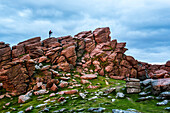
{"points": [[148, 106]]}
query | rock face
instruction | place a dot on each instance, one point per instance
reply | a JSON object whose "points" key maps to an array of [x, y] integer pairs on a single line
{"points": [[5, 54], [87, 51], [16, 77]]}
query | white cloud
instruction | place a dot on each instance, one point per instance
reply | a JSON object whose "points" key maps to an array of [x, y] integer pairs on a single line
{"points": [[139, 23], [25, 13], [152, 55]]}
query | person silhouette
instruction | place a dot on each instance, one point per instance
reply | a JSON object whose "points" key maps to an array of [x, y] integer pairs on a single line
{"points": [[50, 32]]}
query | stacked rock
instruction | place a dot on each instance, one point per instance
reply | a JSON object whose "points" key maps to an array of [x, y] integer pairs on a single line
{"points": [[133, 85]]}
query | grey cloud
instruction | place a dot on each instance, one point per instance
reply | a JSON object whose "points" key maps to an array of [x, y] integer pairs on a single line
{"points": [[142, 24]]}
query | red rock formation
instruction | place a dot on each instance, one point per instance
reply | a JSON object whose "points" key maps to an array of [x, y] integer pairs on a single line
{"points": [[88, 51]]}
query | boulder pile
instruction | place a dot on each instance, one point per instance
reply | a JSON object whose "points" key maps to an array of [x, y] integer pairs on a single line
{"points": [[86, 52]]}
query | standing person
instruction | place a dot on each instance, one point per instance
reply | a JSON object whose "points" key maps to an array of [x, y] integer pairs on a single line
{"points": [[50, 32]]}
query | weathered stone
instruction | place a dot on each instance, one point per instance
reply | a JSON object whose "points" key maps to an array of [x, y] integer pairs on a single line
{"points": [[123, 111], [133, 73], [30, 41], [101, 72], [145, 98], [110, 90], [88, 76], [165, 102], [69, 52], [131, 60], [40, 105], [65, 66], [165, 94], [92, 98], [68, 92], [109, 68], [54, 87], [144, 94], [23, 98], [77, 76], [45, 67], [167, 108], [125, 64], [117, 77], [90, 44], [40, 92], [2, 96], [120, 95], [42, 59], [1, 85], [147, 82], [82, 95], [132, 80], [102, 34], [85, 81], [124, 71], [54, 44], [63, 84], [52, 95], [47, 42], [5, 55], [92, 87], [160, 85], [142, 75], [133, 90], [167, 64], [133, 84], [30, 108], [18, 50]]}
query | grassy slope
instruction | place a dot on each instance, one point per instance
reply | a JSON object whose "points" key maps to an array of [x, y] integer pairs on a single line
{"points": [[148, 106]]}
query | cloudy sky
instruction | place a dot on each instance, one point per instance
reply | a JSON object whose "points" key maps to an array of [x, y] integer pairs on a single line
{"points": [[143, 24]]}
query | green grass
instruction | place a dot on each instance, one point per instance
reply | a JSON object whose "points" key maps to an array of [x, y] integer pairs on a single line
{"points": [[148, 106]]}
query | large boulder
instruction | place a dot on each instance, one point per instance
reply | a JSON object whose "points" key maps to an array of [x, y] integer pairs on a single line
{"points": [[70, 54], [131, 60], [102, 34], [160, 85], [159, 74]]}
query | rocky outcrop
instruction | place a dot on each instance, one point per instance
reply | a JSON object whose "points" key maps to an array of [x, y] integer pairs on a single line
{"points": [[87, 51]]}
